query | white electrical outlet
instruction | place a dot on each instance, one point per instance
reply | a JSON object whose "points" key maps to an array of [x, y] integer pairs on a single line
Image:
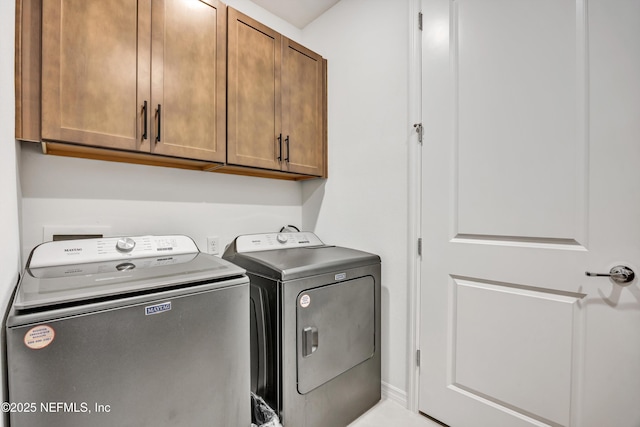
{"points": [[213, 245]]}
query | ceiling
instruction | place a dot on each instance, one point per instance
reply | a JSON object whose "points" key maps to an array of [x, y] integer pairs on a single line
{"points": [[297, 12]]}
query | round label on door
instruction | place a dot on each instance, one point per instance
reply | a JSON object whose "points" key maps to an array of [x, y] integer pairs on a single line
{"points": [[305, 300], [39, 337]]}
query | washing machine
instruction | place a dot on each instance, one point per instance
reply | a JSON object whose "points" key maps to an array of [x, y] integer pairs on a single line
{"points": [[315, 326], [130, 331]]}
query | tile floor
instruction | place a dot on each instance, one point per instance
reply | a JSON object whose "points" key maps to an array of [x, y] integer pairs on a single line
{"points": [[389, 413]]}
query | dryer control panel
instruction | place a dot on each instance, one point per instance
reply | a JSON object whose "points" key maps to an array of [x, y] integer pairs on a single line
{"points": [[272, 241]]}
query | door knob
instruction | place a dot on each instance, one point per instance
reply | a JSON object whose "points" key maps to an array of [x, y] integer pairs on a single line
{"points": [[619, 274]]}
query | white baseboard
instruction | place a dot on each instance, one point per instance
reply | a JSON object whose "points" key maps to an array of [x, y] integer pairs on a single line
{"points": [[394, 393]]}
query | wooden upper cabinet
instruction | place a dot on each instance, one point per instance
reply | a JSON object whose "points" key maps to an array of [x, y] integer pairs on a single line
{"points": [[184, 83], [188, 78], [253, 91], [303, 106], [148, 76], [89, 72], [276, 106]]}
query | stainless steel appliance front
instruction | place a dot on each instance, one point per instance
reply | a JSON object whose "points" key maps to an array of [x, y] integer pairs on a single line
{"points": [[335, 330]]}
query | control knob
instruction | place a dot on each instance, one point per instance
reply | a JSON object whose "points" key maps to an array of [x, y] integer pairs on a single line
{"points": [[282, 238], [125, 244]]}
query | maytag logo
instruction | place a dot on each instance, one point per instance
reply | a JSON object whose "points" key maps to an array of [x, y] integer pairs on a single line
{"points": [[73, 250], [157, 308]]}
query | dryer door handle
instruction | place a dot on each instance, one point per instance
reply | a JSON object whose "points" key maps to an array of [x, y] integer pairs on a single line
{"points": [[309, 340]]}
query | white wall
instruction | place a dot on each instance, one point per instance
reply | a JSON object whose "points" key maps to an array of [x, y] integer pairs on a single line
{"points": [[9, 225], [364, 202], [136, 199], [9, 150], [256, 12]]}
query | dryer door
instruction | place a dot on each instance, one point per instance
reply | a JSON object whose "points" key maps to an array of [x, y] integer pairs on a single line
{"points": [[335, 330]]}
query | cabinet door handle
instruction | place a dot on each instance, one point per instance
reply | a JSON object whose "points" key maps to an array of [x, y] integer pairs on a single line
{"points": [[144, 117], [159, 112], [280, 145], [286, 140]]}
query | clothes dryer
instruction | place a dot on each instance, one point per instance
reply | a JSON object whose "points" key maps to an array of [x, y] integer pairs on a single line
{"points": [[315, 326]]}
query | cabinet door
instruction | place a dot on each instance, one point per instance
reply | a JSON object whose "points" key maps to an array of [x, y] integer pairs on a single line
{"points": [[303, 109], [89, 72], [188, 75], [254, 101]]}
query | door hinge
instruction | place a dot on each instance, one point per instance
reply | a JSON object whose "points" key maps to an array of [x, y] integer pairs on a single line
{"points": [[420, 21], [419, 130], [418, 358], [420, 246]]}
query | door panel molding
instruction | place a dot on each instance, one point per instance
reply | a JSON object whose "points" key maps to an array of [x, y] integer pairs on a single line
{"points": [[521, 241], [530, 205], [543, 327]]}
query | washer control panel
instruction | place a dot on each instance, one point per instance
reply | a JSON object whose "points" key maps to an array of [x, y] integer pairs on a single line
{"points": [[65, 252], [273, 241]]}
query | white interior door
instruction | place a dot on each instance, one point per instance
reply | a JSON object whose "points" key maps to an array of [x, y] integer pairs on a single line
{"points": [[531, 176]]}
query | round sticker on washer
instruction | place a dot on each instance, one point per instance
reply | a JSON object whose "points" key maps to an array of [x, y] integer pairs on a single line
{"points": [[39, 337], [305, 300]]}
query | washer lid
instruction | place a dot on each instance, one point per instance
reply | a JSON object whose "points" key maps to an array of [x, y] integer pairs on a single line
{"points": [[48, 285], [295, 263]]}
